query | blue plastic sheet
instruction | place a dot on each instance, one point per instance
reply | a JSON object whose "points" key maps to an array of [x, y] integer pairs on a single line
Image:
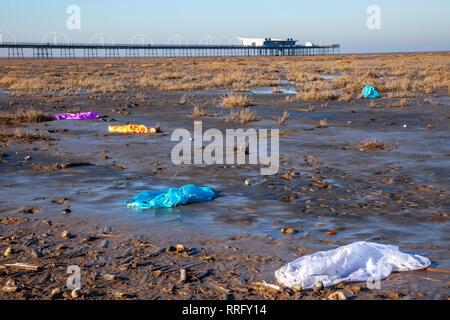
{"points": [[370, 92], [171, 197]]}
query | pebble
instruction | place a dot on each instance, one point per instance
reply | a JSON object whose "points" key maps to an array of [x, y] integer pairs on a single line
{"points": [[183, 275], [75, 293], [318, 286], [119, 295], [56, 292], [10, 286], [35, 254], [180, 248], [338, 295], [9, 251], [288, 230], [170, 249], [66, 211], [66, 235], [110, 277], [61, 247]]}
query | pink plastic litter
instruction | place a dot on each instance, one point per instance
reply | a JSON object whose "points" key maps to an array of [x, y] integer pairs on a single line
{"points": [[77, 116]]}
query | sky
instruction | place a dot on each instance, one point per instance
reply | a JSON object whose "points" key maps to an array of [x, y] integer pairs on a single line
{"points": [[414, 25]]}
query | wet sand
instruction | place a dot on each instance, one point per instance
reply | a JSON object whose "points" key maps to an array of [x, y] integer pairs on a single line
{"points": [[328, 189]]}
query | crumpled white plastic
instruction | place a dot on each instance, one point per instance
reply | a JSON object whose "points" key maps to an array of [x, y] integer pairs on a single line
{"points": [[359, 261]]}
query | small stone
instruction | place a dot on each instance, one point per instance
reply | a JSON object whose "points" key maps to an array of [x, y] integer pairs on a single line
{"points": [[29, 210], [90, 239], [56, 292], [66, 211], [61, 247], [10, 286], [121, 295], [338, 295], [288, 230], [66, 235], [183, 275], [180, 248], [75, 293], [35, 254], [170, 249], [318, 286], [109, 277], [9, 251], [60, 201]]}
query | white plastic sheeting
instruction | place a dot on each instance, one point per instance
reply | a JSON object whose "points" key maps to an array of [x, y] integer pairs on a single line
{"points": [[359, 261]]}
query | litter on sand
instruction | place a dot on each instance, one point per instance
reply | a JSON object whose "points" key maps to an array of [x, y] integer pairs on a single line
{"points": [[370, 92], [132, 128], [171, 197], [359, 261], [77, 116]]}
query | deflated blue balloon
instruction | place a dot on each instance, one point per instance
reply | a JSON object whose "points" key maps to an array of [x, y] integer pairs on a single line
{"points": [[171, 197], [370, 92]]}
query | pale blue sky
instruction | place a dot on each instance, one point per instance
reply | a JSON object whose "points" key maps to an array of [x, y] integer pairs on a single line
{"points": [[413, 25]]}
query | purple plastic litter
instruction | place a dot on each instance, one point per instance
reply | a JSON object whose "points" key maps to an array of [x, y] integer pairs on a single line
{"points": [[77, 116]]}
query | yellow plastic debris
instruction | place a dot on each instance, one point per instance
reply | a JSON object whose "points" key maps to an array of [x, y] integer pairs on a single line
{"points": [[131, 128]]}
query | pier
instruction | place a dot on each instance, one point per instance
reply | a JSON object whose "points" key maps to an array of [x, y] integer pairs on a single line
{"points": [[19, 50]]}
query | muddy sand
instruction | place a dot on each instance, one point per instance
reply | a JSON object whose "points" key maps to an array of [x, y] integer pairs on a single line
{"points": [[329, 189]]}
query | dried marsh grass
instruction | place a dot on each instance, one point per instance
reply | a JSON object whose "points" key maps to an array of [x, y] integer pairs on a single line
{"points": [[23, 135], [235, 101], [282, 120], [243, 116], [22, 115], [322, 124]]}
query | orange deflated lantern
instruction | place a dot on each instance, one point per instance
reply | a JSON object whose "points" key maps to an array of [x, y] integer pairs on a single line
{"points": [[132, 128]]}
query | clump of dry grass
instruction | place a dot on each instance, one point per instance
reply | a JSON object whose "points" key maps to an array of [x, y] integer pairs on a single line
{"points": [[170, 75], [21, 115], [59, 166], [401, 103], [197, 111], [318, 91], [283, 118], [235, 101], [372, 145], [243, 116], [183, 100], [322, 124], [23, 135]]}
